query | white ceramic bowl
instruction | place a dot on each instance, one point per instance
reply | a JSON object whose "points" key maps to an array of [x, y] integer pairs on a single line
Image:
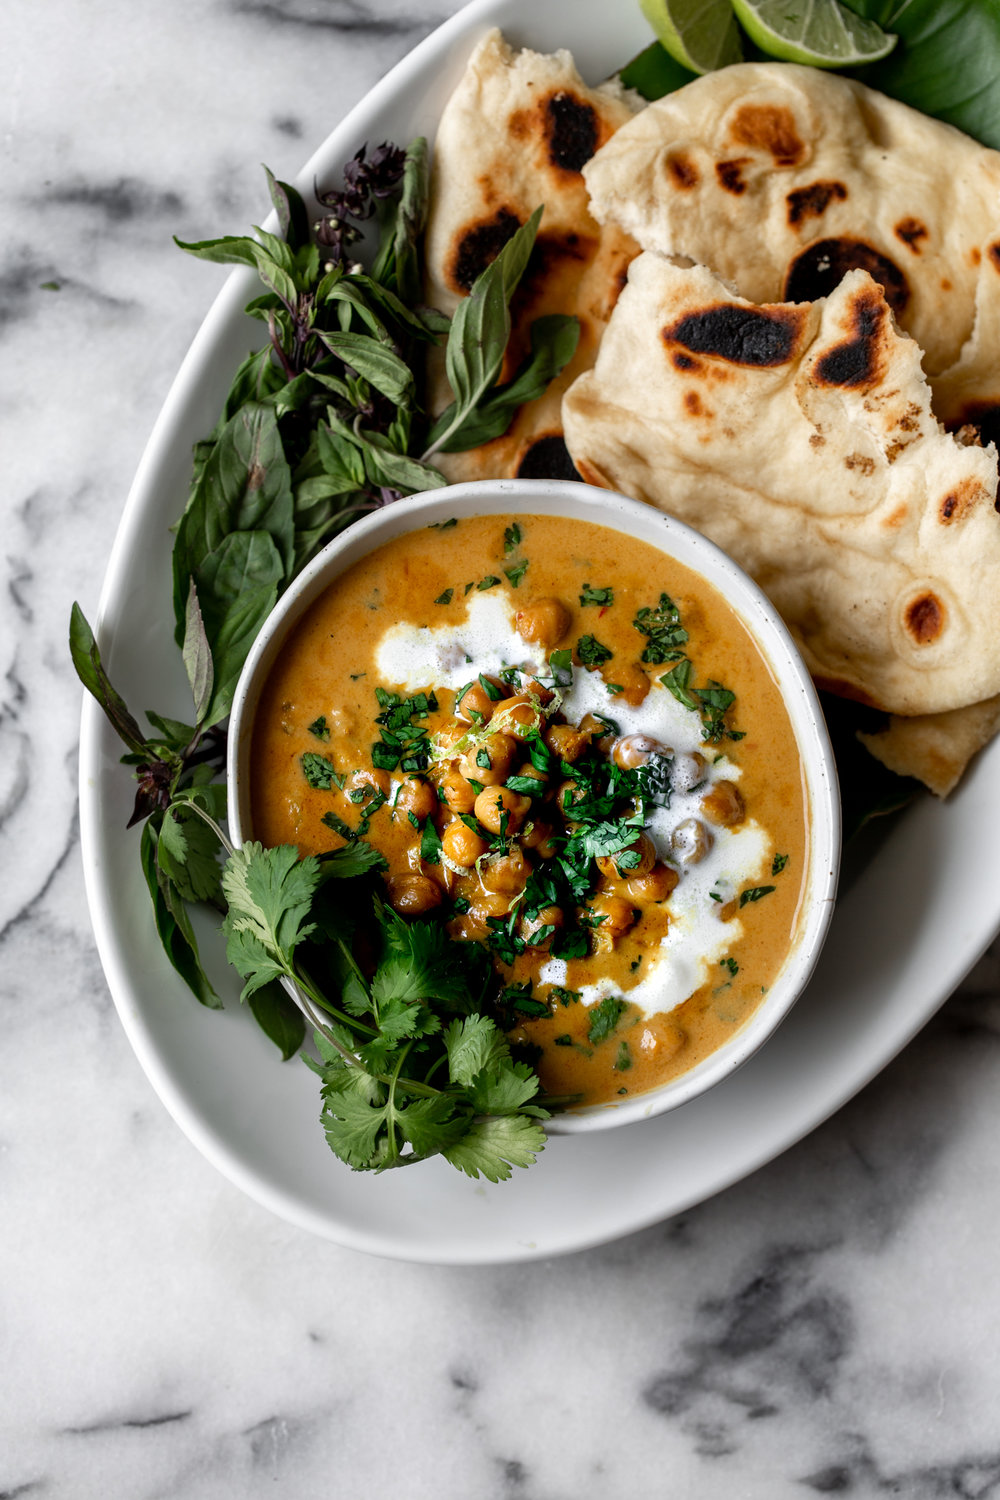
{"points": [[676, 540]]}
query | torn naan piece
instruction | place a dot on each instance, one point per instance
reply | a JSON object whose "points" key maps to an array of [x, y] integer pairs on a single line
{"points": [[935, 748], [781, 178], [515, 134], [799, 437]]}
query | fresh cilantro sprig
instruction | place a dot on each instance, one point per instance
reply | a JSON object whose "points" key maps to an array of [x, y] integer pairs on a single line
{"points": [[383, 1037]]}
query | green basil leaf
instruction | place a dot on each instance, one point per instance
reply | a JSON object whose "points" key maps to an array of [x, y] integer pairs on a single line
{"points": [[375, 361], [237, 588], [90, 670], [278, 1017], [553, 343], [291, 211], [172, 923], [244, 486], [479, 331], [197, 655]]}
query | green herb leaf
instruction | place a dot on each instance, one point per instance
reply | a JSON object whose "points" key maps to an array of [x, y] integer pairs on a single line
{"points": [[604, 1018]]}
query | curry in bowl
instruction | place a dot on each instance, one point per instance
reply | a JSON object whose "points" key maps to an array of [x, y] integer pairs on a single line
{"points": [[567, 747]]}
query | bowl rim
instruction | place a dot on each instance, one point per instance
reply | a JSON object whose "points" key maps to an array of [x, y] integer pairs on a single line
{"points": [[574, 499]]}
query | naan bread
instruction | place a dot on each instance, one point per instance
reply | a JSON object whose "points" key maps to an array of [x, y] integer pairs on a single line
{"points": [[781, 178], [515, 134], [935, 748], [799, 437]]}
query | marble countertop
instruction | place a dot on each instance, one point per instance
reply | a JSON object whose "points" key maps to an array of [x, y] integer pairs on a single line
{"points": [[824, 1327]]}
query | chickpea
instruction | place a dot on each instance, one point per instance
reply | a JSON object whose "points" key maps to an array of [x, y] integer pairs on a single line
{"points": [[418, 797], [656, 885], [538, 836], [457, 792], [549, 916], [566, 742], [449, 736], [498, 805], [501, 752], [517, 716], [462, 845], [633, 751], [507, 873], [543, 622], [539, 691], [568, 793], [690, 841], [619, 916], [370, 777], [723, 804], [475, 922], [687, 771], [611, 868], [476, 705], [662, 1039], [411, 894]]}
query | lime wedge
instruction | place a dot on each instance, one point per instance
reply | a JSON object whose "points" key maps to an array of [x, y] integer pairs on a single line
{"points": [[701, 35], [822, 33]]}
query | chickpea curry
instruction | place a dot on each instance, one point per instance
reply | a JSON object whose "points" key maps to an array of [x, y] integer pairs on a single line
{"points": [[567, 748]]}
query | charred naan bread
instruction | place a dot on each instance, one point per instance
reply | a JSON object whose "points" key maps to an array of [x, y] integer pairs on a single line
{"points": [[781, 178], [517, 133], [800, 438]]}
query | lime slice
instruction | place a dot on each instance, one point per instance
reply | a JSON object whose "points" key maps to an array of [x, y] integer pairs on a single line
{"points": [[701, 35], [821, 33]]}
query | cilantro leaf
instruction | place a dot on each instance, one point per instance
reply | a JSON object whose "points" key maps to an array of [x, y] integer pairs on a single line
{"points": [[604, 1018], [491, 1146]]}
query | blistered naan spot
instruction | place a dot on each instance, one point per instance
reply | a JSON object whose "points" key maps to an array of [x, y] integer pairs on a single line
{"points": [[682, 171], [762, 336], [478, 246], [924, 619], [959, 502], [911, 232], [547, 458], [769, 127], [858, 360], [820, 268], [571, 130], [994, 255], [813, 201], [730, 175]]}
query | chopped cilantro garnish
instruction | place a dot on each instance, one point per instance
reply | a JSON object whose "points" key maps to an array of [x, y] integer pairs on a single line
{"points": [[511, 538], [778, 863], [604, 1018], [516, 573], [320, 728], [663, 630], [443, 525], [624, 1059], [446, 597], [430, 844], [755, 893], [489, 582], [731, 965], [590, 595], [592, 652], [320, 772]]}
